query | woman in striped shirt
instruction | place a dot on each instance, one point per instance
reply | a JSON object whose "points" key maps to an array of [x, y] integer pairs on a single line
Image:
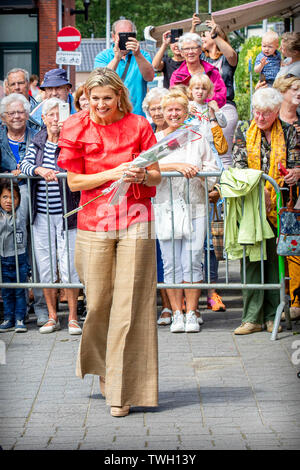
{"points": [[48, 208]]}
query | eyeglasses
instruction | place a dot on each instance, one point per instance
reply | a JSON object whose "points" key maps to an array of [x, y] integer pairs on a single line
{"points": [[14, 113], [187, 49], [291, 75], [264, 114]]}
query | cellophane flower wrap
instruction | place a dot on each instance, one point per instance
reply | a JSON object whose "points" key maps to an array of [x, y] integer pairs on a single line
{"points": [[174, 141]]}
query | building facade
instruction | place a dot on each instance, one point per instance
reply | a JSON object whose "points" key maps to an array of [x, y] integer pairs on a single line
{"points": [[28, 30]]}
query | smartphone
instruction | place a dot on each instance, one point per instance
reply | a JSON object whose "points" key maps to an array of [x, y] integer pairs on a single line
{"points": [[175, 34], [262, 77], [123, 38], [203, 26], [64, 111]]}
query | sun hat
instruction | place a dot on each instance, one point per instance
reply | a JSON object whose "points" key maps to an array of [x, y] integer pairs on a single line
{"points": [[55, 77]]}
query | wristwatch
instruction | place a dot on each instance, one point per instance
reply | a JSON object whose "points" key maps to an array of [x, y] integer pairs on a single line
{"points": [[213, 36]]}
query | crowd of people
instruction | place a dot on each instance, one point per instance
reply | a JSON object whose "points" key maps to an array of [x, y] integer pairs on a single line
{"points": [[109, 248]]}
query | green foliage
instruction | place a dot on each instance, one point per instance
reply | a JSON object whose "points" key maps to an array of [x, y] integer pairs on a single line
{"points": [[141, 13], [249, 50]]}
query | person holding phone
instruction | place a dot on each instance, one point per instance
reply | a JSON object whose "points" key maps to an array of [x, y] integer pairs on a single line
{"points": [[165, 64], [129, 61]]}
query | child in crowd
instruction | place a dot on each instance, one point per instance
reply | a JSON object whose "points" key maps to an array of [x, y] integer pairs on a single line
{"points": [[13, 226], [268, 60], [207, 115], [210, 120]]}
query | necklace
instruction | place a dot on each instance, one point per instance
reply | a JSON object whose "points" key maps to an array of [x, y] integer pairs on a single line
{"points": [[20, 139]]}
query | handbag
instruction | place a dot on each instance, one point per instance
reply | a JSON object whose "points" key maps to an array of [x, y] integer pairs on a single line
{"points": [[217, 233], [183, 227], [288, 241]]}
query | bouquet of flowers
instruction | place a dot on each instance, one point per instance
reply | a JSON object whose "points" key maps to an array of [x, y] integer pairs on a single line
{"points": [[174, 141]]}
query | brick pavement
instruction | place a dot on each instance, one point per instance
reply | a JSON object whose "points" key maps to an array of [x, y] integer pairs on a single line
{"points": [[217, 391]]}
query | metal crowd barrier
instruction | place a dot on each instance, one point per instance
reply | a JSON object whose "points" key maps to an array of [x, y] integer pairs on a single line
{"points": [[227, 285]]}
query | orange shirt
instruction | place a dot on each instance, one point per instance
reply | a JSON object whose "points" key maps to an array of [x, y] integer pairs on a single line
{"points": [[87, 147]]}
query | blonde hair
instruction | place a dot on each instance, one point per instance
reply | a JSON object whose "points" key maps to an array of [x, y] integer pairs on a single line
{"points": [[103, 76], [175, 95], [203, 80], [272, 36], [282, 84], [181, 88]]}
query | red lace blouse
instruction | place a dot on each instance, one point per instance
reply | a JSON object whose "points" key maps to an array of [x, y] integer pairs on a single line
{"points": [[87, 147]]}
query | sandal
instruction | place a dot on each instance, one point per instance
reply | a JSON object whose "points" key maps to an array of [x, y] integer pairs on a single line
{"points": [[119, 411], [50, 326], [165, 317], [74, 328]]}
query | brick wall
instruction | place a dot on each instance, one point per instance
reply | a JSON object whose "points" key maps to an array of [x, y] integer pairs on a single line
{"points": [[48, 27]]}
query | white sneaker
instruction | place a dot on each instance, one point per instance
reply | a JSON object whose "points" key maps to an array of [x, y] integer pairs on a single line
{"points": [[191, 322], [177, 325]]}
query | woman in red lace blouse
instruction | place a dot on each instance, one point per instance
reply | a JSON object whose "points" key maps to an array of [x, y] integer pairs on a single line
{"points": [[115, 252]]}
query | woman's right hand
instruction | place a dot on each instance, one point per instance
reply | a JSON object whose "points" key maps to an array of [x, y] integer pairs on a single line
{"points": [[46, 173], [118, 172], [166, 37], [196, 20]]}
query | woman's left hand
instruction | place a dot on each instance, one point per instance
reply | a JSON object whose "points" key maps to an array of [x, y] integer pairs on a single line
{"points": [[135, 175], [215, 28], [187, 169], [293, 176]]}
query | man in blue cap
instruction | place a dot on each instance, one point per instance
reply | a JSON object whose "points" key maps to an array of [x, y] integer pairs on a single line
{"points": [[133, 65], [55, 85]]}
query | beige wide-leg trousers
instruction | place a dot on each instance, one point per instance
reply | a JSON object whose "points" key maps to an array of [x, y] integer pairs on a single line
{"points": [[119, 338]]}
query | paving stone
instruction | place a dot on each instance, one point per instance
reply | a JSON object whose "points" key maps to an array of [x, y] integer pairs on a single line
{"points": [[216, 391]]}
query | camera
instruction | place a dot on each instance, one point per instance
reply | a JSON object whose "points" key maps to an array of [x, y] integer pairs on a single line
{"points": [[123, 38], [175, 34]]}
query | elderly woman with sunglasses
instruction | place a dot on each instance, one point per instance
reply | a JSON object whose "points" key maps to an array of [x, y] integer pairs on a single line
{"points": [[263, 144], [190, 47]]}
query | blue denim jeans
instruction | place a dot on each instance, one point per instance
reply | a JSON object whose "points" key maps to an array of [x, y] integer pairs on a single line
{"points": [[14, 300]]}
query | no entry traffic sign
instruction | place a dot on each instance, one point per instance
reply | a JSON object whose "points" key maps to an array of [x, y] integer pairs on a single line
{"points": [[68, 38]]}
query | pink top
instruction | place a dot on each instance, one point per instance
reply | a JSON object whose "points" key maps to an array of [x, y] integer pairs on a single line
{"points": [[87, 148], [182, 76]]}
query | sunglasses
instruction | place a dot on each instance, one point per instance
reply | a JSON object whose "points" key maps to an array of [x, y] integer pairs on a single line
{"points": [[291, 75]]}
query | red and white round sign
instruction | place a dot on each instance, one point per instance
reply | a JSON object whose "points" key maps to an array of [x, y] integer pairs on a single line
{"points": [[68, 38]]}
